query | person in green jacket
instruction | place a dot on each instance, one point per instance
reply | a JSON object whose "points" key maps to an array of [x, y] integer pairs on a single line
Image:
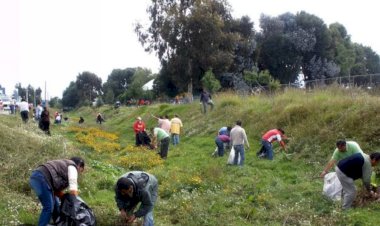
{"points": [[133, 188], [343, 150], [163, 138]]}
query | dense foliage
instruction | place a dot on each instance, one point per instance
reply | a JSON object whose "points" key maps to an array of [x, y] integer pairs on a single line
{"points": [[193, 36]]}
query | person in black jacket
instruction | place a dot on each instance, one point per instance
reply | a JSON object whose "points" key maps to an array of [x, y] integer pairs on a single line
{"points": [[50, 179], [45, 121], [133, 188]]}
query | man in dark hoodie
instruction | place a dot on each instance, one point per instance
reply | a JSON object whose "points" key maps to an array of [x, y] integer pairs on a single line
{"points": [[133, 188], [50, 179]]}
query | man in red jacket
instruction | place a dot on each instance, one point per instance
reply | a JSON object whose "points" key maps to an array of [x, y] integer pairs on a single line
{"points": [[267, 139]]}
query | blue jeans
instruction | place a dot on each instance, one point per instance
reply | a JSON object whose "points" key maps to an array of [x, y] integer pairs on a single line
{"points": [[45, 195], [239, 150], [220, 145], [268, 149], [148, 219], [175, 138]]}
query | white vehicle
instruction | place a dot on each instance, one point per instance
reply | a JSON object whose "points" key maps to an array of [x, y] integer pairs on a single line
{"points": [[5, 102]]}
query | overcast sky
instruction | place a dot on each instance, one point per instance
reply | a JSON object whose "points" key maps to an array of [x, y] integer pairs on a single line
{"points": [[52, 42]]}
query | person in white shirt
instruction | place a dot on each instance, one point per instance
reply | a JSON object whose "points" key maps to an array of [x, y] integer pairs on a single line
{"points": [[39, 110], [239, 140], [24, 110]]}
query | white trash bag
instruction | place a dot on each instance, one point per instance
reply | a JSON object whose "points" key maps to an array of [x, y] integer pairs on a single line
{"points": [[332, 188], [231, 157]]}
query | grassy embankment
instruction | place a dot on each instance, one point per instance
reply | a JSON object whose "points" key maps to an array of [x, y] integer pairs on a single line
{"points": [[194, 188]]}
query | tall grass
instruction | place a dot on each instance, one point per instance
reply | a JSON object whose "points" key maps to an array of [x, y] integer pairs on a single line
{"points": [[195, 188]]}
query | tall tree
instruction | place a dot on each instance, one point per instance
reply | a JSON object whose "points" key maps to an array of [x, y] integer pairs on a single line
{"points": [[189, 37], [277, 50], [244, 53], [117, 83], [89, 87], [290, 42], [135, 89], [70, 96], [343, 50]]}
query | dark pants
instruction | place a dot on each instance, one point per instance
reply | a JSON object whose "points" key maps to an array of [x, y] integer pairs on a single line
{"points": [[164, 147], [24, 116], [220, 145], [142, 138]]}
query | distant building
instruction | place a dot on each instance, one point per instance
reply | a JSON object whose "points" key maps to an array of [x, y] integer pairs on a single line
{"points": [[148, 86]]}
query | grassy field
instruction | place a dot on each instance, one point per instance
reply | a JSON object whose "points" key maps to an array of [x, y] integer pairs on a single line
{"points": [[195, 188]]}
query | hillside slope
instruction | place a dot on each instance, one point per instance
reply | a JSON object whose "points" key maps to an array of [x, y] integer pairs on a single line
{"points": [[195, 188]]}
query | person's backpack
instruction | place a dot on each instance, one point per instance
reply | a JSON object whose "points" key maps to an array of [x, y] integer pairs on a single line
{"points": [[75, 212]]}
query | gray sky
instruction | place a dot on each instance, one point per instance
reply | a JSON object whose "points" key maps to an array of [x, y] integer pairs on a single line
{"points": [[54, 41]]}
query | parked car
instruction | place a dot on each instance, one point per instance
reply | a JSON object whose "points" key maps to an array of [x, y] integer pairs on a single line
{"points": [[5, 102]]}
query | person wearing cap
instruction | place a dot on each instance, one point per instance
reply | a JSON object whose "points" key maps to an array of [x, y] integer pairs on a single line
{"points": [[50, 179], [133, 188], [139, 128], [343, 150], [267, 139]]}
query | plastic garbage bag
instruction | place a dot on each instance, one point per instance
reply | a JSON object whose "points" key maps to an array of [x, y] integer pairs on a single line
{"points": [[74, 211], [231, 157], [332, 188]]}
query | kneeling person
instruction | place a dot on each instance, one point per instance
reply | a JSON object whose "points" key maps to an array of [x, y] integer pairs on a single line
{"points": [[133, 188]]}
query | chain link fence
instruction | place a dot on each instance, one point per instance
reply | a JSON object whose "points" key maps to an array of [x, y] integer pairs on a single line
{"points": [[370, 81]]}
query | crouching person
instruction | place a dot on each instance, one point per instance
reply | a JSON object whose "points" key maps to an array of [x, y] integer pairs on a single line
{"points": [[133, 188], [356, 166], [50, 179]]}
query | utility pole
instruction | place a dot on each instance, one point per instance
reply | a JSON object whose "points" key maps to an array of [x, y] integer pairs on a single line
{"points": [[45, 95]]}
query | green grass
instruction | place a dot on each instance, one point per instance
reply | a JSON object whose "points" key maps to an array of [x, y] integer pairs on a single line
{"points": [[195, 188]]}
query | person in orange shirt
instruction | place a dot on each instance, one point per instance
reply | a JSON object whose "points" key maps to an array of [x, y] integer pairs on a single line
{"points": [[267, 139]]}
